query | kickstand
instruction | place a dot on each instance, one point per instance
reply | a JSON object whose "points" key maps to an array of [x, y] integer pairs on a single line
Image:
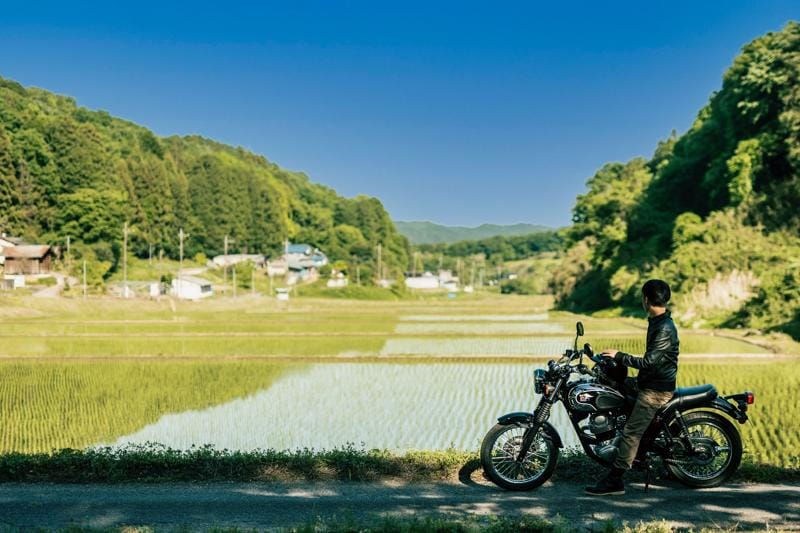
{"points": [[648, 473]]}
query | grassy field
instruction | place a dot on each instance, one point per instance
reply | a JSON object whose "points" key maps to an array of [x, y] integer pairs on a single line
{"points": [[75, 373], [255, 326]]}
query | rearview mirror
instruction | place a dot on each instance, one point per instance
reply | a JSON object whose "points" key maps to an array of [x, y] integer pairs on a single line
{"points": [[579, 328]]}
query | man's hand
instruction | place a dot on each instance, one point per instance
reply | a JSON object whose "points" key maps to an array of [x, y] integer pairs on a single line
{"points": [[609, 353]]}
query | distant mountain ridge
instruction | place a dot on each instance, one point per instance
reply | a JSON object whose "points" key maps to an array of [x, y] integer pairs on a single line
{"points": [[423, 232]]}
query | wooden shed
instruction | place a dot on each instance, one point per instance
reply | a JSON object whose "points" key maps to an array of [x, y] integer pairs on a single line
{"points": [[28, 259]]}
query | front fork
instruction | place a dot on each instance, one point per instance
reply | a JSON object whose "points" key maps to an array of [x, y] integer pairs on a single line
{"points": [[540, 416]]}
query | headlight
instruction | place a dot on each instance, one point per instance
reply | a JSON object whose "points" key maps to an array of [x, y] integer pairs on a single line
{"points": [[538, 381]]}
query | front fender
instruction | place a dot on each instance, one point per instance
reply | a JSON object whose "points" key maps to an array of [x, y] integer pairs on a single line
{"points": [[525, 420]]}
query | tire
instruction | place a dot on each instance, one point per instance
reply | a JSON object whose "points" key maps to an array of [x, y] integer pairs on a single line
{"points": [[501, 441], [719, 468]]}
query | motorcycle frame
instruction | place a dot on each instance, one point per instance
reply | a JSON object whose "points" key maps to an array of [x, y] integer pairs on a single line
{"points": [[662, 420]]}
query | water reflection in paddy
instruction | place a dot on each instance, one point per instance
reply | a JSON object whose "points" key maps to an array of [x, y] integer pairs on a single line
{"points": [[383, 405]]}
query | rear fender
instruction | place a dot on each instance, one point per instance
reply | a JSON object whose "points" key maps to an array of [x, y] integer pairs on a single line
{"points": [[729, 409], [525, 420]]}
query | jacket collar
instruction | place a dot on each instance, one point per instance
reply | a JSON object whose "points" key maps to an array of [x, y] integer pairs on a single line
{"points": [[659, 318]]}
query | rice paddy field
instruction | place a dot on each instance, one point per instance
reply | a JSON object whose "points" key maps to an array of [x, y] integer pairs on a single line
{"points": [[251, 373]]}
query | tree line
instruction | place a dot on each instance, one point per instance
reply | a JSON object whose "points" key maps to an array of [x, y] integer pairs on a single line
{"points": [[714, 211], [69, 171]]}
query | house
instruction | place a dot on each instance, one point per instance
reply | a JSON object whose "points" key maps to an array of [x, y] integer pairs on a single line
{"points": [[304, 256], [191, 288], [303, 262], [222, 261], [6, 241], [28, 259]]}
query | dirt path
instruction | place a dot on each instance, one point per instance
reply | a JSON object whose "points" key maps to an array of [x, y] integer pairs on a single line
{"points": [[263, 505]]}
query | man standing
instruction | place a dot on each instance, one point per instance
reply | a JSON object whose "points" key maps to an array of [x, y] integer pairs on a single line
{"points": [[657, 371]]}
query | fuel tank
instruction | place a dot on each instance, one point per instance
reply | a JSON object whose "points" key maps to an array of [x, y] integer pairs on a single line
{"points": [[593, 397]]}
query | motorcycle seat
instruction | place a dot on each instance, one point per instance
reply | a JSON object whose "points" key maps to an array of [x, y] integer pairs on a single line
{"points": [[688, 397], [703, 390]]}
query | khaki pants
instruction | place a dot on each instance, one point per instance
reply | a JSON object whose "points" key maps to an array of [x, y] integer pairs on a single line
{"points": [[647, 404]]}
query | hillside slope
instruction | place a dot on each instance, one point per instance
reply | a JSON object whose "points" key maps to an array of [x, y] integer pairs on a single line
{"points": [[69, 171], [419, 232], [713, 212]]}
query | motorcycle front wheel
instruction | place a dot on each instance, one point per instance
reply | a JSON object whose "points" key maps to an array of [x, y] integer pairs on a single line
{"points": [[499, 452]]}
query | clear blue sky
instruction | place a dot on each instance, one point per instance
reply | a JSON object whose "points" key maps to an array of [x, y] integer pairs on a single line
{"points": [[460, 113]]}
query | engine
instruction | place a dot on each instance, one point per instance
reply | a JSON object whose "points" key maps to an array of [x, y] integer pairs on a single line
{"points": [[600, 423], [610, 426]]}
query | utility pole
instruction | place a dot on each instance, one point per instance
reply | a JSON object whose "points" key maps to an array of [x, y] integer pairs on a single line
{"points": [[179, 285], [125, 261], [84, 279], [225, 264], [380, 265]]}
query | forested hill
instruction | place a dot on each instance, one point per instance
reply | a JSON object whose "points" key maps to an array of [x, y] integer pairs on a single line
{"points": [[66, 170], [715, 211], [419, 232]]}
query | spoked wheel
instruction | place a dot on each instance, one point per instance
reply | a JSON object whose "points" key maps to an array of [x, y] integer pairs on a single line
{"points": [[716, 455], [499, 453]]}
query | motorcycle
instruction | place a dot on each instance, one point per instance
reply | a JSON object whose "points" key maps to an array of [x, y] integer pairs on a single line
{"points": [[694, 441]]}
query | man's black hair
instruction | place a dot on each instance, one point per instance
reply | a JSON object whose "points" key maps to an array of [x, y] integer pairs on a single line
{"points": [[657, 292]]}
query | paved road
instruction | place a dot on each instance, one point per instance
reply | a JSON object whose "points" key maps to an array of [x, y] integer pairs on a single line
{"points": [[262, 505]]}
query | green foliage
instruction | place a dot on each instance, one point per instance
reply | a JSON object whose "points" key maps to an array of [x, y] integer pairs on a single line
{"points": [[244, 274], [517, 286], [604, 210], [494, 250], [720, 199], [351, 292], [66, 170]]}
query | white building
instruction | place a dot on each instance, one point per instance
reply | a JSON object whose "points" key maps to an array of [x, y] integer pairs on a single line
{"points": [[191, 288], [277, 267], [425, 281], [222, 261], [337, 281]]}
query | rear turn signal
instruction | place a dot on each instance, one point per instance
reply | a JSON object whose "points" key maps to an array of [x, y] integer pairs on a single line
{"points": [[750, 398]]}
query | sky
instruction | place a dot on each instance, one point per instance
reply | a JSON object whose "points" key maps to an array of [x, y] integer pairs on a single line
{"points": [[455, 112]]}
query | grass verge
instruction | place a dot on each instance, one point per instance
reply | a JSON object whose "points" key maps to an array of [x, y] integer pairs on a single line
{"points": [[155, 463], [390, 524]]}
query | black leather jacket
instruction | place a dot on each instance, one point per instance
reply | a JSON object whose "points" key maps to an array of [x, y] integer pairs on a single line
{"points": [[659, 365]]}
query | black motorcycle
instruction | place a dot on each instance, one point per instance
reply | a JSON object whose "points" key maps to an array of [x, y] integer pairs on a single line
{"points": [[696, 444]]}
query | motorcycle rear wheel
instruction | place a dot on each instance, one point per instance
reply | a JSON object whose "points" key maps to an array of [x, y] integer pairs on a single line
{"points": [[722, 444], [498, 457]]}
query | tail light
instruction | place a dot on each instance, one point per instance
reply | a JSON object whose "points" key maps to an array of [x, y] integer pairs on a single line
{"points": [[750, 398]]}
